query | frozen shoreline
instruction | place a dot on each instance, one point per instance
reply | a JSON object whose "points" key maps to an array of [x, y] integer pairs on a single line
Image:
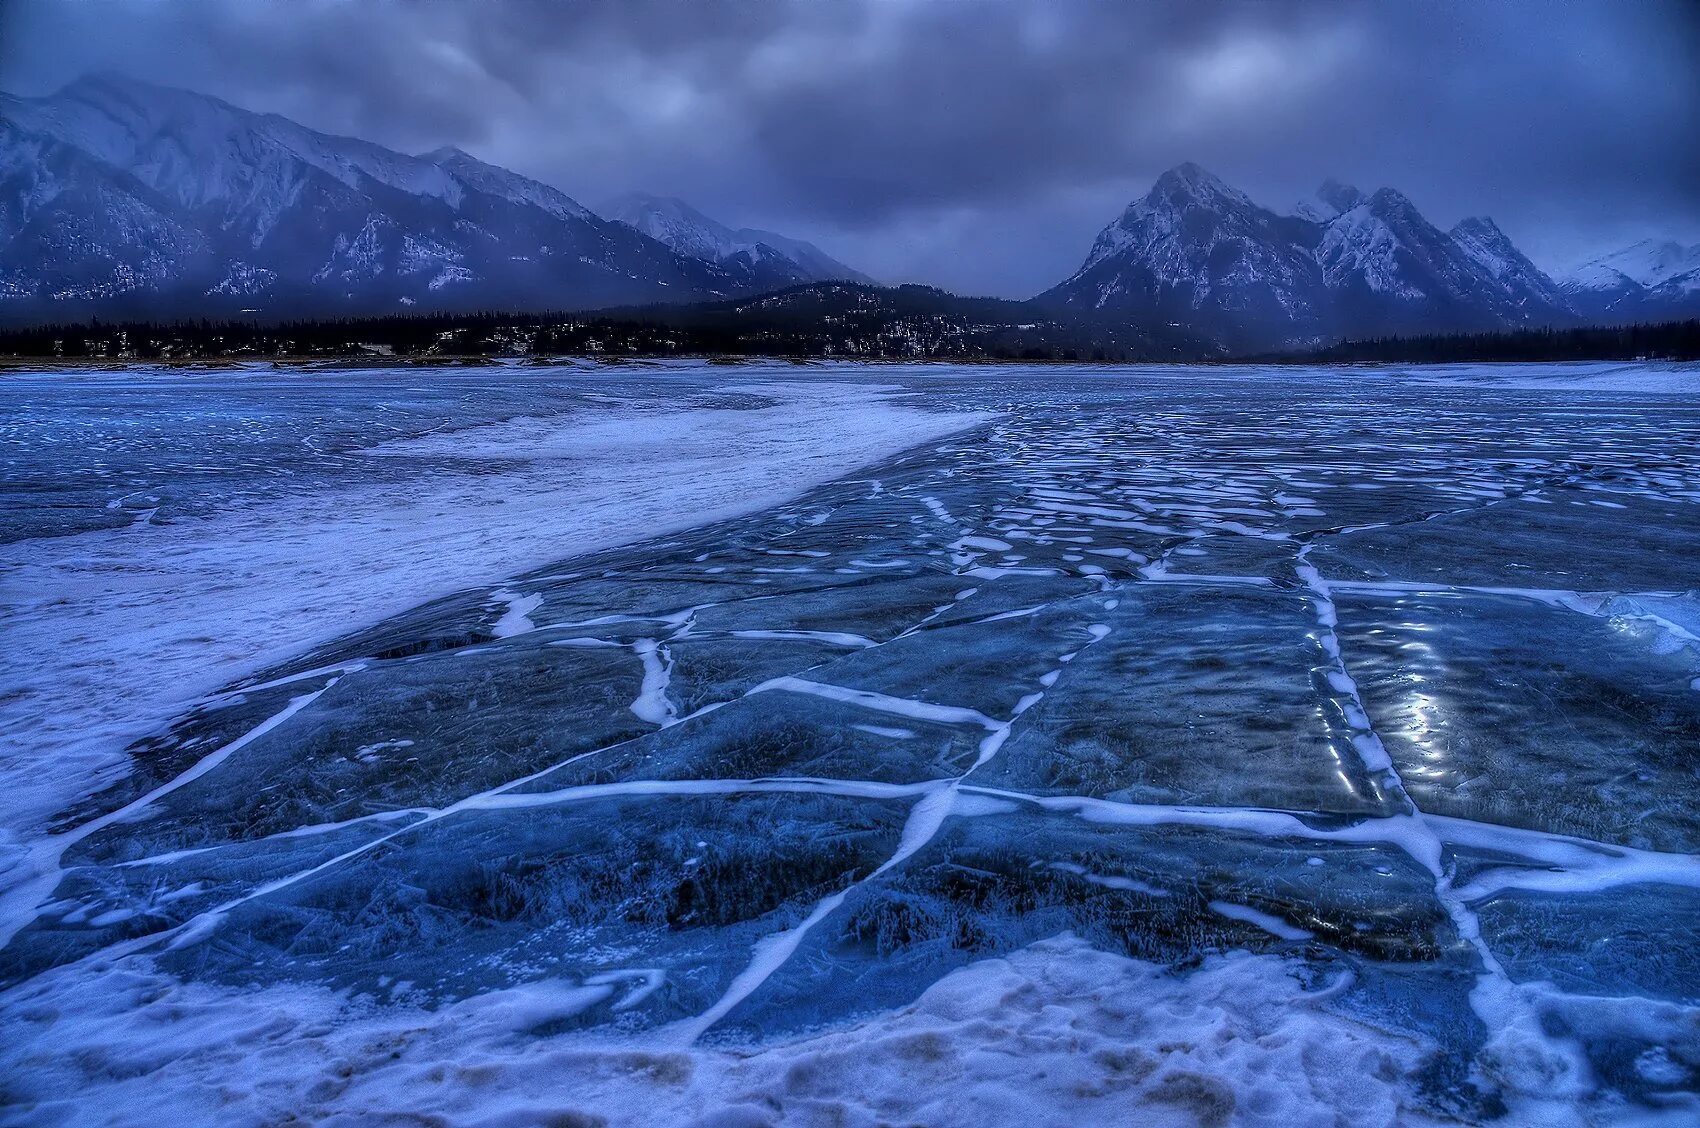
{"points": [[1057, 1033], [120, 631]]}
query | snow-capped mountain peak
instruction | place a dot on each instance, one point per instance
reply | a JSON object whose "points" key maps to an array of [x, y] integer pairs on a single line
{"points": [[679, 225], [1193, 244], [674, 222], [1488, 247], [1331, 199], [114, 191], [1493, 252], [1650, 262], [1189, 184], [496, 181], [1202, 255], [1654, 278]]}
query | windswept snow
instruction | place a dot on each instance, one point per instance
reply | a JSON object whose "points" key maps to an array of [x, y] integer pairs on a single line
{"points": [[125, 629]]}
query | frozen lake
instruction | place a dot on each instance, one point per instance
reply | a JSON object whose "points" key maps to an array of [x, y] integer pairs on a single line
{"points": [[851, 745]]}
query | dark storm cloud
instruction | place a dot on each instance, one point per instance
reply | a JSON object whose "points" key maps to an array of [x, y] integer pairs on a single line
{"points": [[977, 145]]}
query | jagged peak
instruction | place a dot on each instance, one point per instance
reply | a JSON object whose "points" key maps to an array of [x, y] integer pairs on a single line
{"points": [[1394, 208], [449, 154], [1389, 199], [1484, 243], [1340, 196], [1194, 180], [1646, 262], [1477, 225], [1186, 185], [1193, 173]]}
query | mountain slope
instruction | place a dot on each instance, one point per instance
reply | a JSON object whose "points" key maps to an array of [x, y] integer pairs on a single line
{"points": [[760, 259], [1649, 279], [1197, 255], [1499, 259], [204, 205]]}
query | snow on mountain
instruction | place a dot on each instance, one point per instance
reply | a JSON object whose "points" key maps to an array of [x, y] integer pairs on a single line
{"points": [[121, 196], [203, 151], [1649, 263], [676, 223], [1675, 297], [747, 249], [1362, 245], [510, 186], [1498, 257], [71, 226], [1200, 255], [1330, 200], [178, 202], [1651, 279], [1682, 284]]}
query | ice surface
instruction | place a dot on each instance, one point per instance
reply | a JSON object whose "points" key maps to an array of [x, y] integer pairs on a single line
{"points": [[898, 745], [131, 626]]}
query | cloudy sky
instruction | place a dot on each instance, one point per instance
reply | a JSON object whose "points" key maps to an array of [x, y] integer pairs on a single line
{"points": [[973, 145]]}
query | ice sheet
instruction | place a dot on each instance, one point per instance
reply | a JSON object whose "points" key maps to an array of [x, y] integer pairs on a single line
{"points": [[124, 629], [1216, 745]]}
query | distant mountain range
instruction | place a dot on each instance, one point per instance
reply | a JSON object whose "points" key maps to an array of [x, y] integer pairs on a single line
{"points": [[120, 198], [1649, 276], [1202, 257]]}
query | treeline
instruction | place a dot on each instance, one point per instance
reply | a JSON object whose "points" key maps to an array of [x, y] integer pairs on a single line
{"points": [[1673, 340], [483, 332], [818, 320]]}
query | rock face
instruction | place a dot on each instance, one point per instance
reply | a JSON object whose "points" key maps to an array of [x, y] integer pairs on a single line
{"points": [[760, 260], [1200, 256], [119, 196]]}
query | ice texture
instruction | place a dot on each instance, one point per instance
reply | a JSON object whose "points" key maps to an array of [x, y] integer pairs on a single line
{"points": [[929, 745]]}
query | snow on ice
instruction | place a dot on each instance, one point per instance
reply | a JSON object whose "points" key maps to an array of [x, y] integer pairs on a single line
{"points": [[926, 745]]}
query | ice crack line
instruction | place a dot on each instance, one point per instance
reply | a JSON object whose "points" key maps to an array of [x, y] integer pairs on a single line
{"points": [[21, 903], [1505, 1008], [41, 868], [923, 824]]}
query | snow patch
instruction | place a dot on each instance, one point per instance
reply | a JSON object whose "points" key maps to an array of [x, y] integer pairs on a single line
{"points": [[1056, 1033]]}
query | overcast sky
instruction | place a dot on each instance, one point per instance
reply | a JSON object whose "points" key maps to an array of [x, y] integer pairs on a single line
{"points": [[975, 145]]}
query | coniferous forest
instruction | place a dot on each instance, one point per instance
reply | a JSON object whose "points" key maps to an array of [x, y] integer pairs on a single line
{"points": [[842, 320]]}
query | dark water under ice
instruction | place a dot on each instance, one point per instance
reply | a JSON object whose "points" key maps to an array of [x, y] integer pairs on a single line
{"points": [[1394, 674]]}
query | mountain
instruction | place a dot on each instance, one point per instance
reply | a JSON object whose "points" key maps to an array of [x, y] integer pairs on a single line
{"points": [[1498, 257], [1202, 257], [124, 199], [1651, 279], [72, 227], [121, 196], [760, 260], [1196, 254], [1329, 201]]}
